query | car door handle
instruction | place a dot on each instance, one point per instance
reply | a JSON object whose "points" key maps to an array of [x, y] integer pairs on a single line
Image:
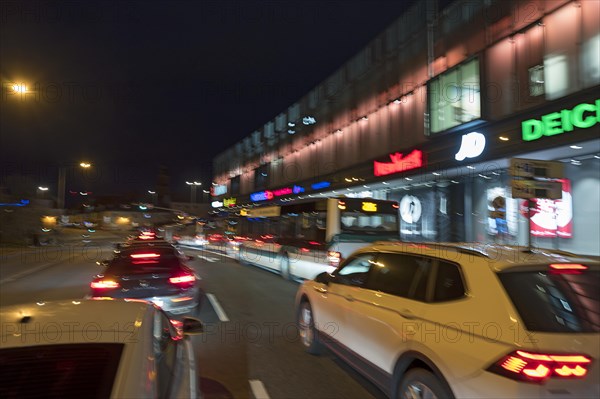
{"points": [[407, 314], [349, 298], [321, 290]]}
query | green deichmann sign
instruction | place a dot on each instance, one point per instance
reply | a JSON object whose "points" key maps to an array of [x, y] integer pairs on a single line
{"points": [[582, 116]]}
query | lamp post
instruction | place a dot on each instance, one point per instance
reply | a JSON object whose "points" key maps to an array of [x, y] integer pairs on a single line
{"points": [[42, 190], [153, 194], [62, 183], [193, 185]]}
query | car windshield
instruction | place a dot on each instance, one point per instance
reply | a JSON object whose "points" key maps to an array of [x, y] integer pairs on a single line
{"points": [[552, 302], [59, 371]]}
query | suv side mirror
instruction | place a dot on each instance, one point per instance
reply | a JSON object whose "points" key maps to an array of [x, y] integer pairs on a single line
{"points": [[192, 326], [323, 278]]}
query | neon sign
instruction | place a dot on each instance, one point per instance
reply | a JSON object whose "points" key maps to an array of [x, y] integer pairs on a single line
{"points": [[219, 190], [399, 163], [320, 185], [560, 122], [471, 146], [261, 196], [229, 202]]}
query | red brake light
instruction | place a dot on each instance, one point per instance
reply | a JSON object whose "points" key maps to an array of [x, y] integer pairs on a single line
{"points": [[186, 280], [145, 256], [304, 249], [104, 284], [537, 367], [567, 268]]}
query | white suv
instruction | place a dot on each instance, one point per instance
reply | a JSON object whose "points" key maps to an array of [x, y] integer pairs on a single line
{"points": [[460, 320]]}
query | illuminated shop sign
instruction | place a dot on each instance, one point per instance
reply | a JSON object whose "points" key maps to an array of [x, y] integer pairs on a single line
{"points": [[320, 185], [216, 204], [219, 190], [261, 196], [471, 146], [229, 202], [552, 218], [369, 207], [269, 195], [399, 163], [582, 116]]}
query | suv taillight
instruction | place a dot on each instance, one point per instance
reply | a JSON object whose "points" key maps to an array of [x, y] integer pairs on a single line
{"points": [[334, 258], [538, 367]]}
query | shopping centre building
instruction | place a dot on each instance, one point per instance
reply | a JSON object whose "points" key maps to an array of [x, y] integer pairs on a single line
{"points": [[430, 114]]}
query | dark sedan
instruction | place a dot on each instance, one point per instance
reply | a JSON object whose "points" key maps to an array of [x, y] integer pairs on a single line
{"points": [[155, 273]]}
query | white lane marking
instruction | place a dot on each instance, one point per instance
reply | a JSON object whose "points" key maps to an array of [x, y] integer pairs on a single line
{"points": [[217, 307], [26, 272], [258, 389], [193, 373], [207, 258]]}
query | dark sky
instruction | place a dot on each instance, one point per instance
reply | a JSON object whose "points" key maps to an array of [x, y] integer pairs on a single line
{"points": [[131, 85]]}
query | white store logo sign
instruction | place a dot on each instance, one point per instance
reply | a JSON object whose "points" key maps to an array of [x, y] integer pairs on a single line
{"points": [[472, 146]]}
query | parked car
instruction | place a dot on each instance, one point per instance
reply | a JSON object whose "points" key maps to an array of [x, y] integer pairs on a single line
{"points": [[157, 273], [460, 320], [94, 348]]}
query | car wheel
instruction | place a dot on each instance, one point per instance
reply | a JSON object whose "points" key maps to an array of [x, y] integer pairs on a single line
{"points": [[422, 384], [307, 330], [284, 266]]}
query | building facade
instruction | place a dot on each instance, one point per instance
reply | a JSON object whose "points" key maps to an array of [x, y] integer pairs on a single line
{"points": [[431, 113]]}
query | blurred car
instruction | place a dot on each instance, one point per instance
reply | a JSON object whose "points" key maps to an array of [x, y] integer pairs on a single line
{"points": [[459, 320], [101, 349], [157, 273]]}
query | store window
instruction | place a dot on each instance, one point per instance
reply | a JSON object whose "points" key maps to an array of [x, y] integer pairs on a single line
{"points": [[454, 97], [536, 81], [261, 177]]}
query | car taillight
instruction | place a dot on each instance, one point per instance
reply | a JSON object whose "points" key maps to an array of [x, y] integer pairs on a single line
{"points": [[150, 255], [538, 367], [104, 284], [567, 268], [183, 280], [334, 258]]}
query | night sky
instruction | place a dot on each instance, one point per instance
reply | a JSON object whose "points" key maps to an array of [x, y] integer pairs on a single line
{"points": [[130, 86]]}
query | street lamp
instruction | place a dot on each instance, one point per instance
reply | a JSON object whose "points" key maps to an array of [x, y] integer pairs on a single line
{"points": [[62, 183], [42, 189], [193, 185], [153, 194]]}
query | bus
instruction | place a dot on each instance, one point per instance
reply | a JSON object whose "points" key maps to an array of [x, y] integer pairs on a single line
{"points": [[303, 239]]}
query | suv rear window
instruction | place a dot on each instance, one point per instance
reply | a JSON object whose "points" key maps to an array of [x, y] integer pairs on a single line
{"points": [[550, 302], [59, 371]]}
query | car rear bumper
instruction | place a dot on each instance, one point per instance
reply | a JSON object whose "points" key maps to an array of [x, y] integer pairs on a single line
{"points": [[181, 303]]}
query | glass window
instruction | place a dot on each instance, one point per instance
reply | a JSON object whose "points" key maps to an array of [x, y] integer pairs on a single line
{"points": [[454, 97], [555, 302], [448, 283], [61, 371], [355, 270], [400, 274]]}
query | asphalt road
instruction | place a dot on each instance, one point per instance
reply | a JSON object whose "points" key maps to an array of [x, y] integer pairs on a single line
{"points": [[250, 348]]}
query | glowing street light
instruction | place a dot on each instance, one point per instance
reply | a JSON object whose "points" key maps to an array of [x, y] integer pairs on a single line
{"points": [[153, 194], [19, 88], [62, 183]]}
